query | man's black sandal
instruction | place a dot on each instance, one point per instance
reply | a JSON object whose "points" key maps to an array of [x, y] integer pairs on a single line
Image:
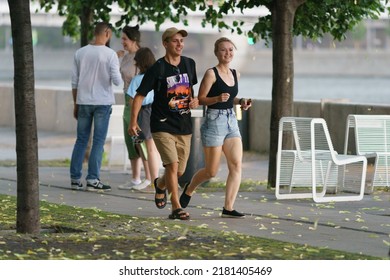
{"points": [[160, 202], [179, 214]]}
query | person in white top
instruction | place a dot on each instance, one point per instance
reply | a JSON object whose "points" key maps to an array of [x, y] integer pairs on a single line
{"points": [[95, 69], [137, 153]]}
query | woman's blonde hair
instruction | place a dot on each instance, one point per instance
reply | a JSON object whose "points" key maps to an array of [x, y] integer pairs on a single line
{"points": [[221, 40]]}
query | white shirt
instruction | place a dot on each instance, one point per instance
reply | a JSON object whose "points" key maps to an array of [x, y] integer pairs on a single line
{"points": [[95, 69]]}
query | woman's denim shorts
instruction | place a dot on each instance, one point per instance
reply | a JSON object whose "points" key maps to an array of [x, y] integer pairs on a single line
{"points": [[220, 124]]}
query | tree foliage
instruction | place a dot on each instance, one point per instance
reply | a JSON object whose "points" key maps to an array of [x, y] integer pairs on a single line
{"points": [[312, 20], [74, 11]]}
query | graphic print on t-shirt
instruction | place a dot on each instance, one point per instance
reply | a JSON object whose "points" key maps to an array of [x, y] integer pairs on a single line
{"points": [[178, 91]]}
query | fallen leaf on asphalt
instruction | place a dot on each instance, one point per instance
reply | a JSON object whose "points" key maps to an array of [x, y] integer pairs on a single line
{"points": [[208, 214], [277, 232], [370, 208], [359, 220], [272, 216], [204, 195], [263, 227], [325, 206], [314, 227]]}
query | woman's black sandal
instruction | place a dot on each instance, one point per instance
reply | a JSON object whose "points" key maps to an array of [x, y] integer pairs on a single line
{"points": [[185, 198], [179, 214], [160, 202]]}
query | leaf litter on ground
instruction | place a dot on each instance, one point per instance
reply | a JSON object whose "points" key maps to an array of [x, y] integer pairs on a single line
{"points": [[75, 233]]}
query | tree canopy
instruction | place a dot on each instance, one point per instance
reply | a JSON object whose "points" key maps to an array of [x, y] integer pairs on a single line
{"points": [[313, 19]]}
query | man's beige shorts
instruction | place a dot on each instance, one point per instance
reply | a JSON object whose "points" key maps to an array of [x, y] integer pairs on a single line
{"points": [[173, 148]]}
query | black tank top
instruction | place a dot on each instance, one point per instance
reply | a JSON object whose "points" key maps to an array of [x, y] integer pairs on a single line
{"points": [[220, 87]]}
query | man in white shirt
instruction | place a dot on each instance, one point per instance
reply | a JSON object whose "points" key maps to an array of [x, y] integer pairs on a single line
{"points": [[95, 69]]}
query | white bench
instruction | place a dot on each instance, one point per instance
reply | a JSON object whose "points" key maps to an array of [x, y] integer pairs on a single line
{"points": [[312, 163], [371, 139]]}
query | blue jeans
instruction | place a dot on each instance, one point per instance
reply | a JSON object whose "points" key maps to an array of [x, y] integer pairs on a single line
{"points": [[99, 115], [220, 124]]}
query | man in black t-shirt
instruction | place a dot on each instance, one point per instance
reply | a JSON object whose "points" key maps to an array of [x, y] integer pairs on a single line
{"points": [[171, 78]]}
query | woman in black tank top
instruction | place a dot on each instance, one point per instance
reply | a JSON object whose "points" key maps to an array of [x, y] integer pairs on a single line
{"points": [[220, 133]]}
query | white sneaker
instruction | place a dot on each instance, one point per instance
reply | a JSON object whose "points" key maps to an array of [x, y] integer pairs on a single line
{"points": [[141, 186], [135, 182], [130, 185], [125, 187]]}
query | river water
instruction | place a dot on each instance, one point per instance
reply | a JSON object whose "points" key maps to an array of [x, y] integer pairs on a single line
{"points": [[361, 90]]}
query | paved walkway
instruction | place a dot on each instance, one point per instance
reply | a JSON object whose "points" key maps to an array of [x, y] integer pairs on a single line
{"points": [[359, 227]]}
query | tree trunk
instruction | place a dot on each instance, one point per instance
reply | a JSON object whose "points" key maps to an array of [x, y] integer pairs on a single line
{"points": [[86, 24], [27, 216], [282, 12]]}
